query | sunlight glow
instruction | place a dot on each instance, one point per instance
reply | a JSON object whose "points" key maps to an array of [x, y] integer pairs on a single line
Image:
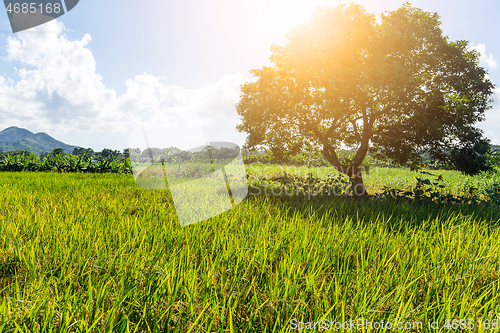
{"points": [[275, 18]]}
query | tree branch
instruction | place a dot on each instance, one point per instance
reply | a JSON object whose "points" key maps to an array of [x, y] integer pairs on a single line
{"points": [[328, 151], [364, 140], [331, 156], [355, 127], [331, 129]]}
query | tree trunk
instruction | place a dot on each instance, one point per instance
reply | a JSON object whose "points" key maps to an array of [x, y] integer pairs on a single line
{"points": [[353, 171], [358, 186]]}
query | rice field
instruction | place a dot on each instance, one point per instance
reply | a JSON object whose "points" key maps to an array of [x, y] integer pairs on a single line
{"points": [[87, 252]]}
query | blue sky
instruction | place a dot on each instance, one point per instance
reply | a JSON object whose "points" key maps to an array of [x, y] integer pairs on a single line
{"points": [[90, 78]]}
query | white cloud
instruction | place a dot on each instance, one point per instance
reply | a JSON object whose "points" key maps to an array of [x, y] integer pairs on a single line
{"points": [[489, 60], [57, 90], [148, 96]]}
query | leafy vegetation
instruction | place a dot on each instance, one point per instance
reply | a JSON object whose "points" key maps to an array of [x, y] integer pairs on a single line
{"points": [[173, 154], [379, 178], [442, 187], [61, 162]]}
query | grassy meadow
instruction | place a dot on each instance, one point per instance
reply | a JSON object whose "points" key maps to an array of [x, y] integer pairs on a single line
{"points": [[82, 252]]}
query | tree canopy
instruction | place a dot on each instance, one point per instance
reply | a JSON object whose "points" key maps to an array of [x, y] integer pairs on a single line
{"points": [[394, 84]]}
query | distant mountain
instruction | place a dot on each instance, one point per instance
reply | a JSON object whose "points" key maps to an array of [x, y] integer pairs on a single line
{"points": [[15, 138]]}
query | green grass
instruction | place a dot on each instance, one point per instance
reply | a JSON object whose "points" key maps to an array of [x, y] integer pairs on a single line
{"points": [[377, 178], [95, 253]]}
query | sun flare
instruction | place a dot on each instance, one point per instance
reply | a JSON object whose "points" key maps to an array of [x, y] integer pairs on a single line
{"points": [[275, 18]]}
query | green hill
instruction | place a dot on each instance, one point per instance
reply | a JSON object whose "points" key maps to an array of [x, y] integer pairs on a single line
{"points": [[15, 138]]}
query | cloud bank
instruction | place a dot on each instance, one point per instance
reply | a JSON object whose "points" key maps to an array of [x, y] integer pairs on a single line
{"points": [[58, 90]]}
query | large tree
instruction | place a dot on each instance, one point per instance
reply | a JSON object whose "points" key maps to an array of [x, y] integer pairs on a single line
{"points": [[346, 78]]}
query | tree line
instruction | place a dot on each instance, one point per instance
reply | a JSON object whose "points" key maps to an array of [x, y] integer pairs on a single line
{"points": [[107, 160]]}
